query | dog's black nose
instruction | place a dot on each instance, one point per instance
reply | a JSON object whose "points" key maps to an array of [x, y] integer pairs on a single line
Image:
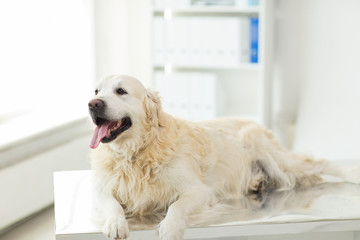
{"points": [[96, 105]]}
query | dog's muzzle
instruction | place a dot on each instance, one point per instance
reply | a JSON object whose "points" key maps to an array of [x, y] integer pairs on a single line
{"points": [[96, 109]]}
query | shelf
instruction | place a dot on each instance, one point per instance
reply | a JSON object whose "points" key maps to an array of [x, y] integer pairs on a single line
{"points": [[192, 67], [210, 10]]}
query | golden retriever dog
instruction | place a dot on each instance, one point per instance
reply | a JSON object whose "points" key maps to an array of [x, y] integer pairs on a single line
{"points": [[146, 161]]}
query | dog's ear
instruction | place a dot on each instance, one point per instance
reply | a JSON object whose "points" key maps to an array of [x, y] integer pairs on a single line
{"points": [[152, 105]]}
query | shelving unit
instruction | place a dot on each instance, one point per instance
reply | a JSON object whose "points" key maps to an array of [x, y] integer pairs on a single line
{"points": [[242, 89]]}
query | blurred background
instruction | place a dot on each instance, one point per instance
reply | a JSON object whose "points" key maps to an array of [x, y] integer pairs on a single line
{"points": [[292, 66]]}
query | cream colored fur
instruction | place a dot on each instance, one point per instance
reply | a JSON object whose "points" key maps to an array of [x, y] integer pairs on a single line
{"points": [[165, 164]]}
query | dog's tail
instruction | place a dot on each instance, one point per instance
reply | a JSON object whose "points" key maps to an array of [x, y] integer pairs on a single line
{"points": [[287, 169]]}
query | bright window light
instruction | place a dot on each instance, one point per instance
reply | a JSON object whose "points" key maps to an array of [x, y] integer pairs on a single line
{"points": [[168, 69], [46, 60], [168, 14]]}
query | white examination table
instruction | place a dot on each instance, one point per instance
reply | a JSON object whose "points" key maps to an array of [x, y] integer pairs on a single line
{"points": [[332, 214]]}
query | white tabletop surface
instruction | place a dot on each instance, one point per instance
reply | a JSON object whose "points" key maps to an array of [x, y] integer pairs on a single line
{"points": [[328, 207]]}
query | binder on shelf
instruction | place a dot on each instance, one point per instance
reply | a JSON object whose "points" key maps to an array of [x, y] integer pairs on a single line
{"points": [[159, 41], [195, 100], [202, 102], [185, 46], [196, 43], [213, 2], [170, 39], [172, 94], [241, 3], [181, 39], [209, 103], [222, 41], [159, 85], [184, 95], [207, 32], [253, 2], [164, 85], [244, 40], [254, 41]]}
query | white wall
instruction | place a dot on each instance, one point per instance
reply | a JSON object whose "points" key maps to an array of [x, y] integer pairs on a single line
{"points": [[122, 38], [286, 67], [111, 41], [321, 57]]}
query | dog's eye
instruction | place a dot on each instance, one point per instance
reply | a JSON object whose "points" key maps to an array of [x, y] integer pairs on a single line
{"points": [[121, 91], [96, 91]]}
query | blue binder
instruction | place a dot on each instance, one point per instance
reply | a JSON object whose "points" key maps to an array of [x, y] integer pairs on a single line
{"points": [[254, 40]]}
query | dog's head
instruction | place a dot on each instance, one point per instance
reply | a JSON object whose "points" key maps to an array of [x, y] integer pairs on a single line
{"points": [[121, 108]]}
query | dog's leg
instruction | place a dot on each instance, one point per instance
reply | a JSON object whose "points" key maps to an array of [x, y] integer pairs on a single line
{"points": [[260, 185], [313, 167], [115, 224], [268, 156], [174, 224]]}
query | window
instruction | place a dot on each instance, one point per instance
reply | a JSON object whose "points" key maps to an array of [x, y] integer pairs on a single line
{"points": [[46, 64]]}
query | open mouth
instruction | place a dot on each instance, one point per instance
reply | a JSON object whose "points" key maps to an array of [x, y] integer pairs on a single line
{"points": [[106, 131]]}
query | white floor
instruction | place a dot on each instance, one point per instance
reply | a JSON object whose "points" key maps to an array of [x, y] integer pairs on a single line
{"points": [[39, 227]]}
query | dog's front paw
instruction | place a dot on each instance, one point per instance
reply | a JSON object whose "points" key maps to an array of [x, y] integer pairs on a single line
{"points": [[172, 229], [116, 228]]}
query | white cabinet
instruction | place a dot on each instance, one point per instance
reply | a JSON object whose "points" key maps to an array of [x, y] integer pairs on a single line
{"points": [[204, 64]]}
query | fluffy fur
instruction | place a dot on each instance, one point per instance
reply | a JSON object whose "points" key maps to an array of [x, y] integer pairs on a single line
{"points": [[167, 165]]}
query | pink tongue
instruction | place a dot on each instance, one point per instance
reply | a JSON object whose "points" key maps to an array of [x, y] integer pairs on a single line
{"points": [[99, 133]]}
